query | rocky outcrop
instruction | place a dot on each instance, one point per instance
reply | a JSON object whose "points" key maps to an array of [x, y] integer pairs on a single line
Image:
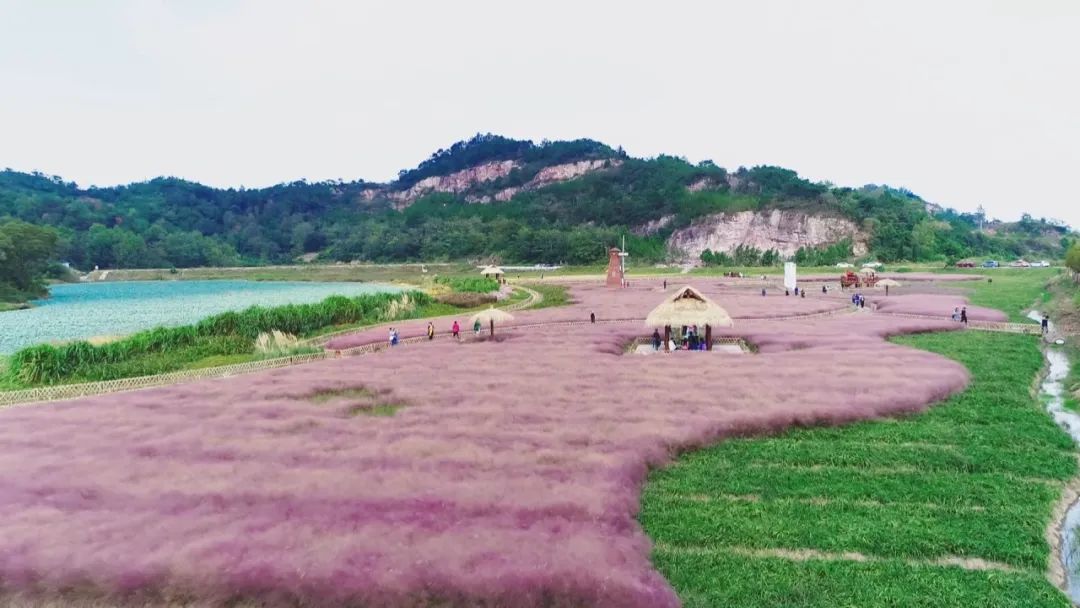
{"points": [[568, 171], [454, 183], [464, 180], [553, 175], [652, 227], [784, 231], [704, 183]]}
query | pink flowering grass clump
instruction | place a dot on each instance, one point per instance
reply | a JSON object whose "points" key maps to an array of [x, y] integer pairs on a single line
{"points": [[934, 305], [508, 474]]}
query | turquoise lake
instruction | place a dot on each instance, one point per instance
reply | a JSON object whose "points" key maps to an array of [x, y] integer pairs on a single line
{"points": [[84, 310]]}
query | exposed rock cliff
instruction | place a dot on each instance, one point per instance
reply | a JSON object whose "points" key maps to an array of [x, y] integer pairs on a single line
{"points": [[784, 231], [463, 181], [454, 183]]}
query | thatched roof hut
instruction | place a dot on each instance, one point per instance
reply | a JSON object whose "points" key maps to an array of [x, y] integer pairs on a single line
{"points": [[688, 306], [492, 271], [490, 316]]}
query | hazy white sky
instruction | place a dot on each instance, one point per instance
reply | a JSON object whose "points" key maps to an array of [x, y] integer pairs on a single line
{"points": [[964, 102]]}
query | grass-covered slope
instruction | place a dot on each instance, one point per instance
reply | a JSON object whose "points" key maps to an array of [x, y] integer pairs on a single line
{"points": [[867, 515]]}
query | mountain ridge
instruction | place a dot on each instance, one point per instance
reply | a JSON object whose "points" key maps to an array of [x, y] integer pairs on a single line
{"points": [[497, 198]]}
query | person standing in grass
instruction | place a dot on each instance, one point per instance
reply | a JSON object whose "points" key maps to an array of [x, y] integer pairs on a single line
{"points": [[430, 331], [476, 327], [1046, 324], [592, 317], [390, 337], [963, 315], [455, 329]]}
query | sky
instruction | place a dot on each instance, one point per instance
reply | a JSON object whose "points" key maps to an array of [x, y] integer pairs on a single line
{"points": [[966, 102]]}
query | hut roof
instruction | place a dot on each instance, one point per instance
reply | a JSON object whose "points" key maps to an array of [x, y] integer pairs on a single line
{"points": [[492, 270], [687, 306], [888, 283], [492, 314]]}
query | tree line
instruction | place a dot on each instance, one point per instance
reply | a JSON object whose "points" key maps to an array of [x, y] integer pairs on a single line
{"points": [[172, 222]]}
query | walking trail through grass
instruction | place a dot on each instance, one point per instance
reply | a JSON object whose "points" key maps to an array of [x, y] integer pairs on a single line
{"points": [[877, 513]]}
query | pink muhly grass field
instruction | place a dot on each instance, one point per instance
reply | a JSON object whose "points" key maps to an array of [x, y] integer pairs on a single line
{"points": [[935, 305], [511, 476]]}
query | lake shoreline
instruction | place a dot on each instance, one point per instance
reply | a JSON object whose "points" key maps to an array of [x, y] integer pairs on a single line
{"points": [[83, 310]]}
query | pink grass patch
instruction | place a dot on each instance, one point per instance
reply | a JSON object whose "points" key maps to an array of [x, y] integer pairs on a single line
{"points": [[510, 478], [934, 305]]}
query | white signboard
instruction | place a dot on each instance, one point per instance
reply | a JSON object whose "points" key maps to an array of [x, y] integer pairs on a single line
{"points": [[789, 275]]}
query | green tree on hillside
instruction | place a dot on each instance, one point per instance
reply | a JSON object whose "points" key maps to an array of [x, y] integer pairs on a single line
{"points": [[1072, 260], [25, 253]]}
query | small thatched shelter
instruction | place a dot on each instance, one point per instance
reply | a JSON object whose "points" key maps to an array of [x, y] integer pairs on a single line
{"points": [[493, 271], [491, 315], [687, 306]]}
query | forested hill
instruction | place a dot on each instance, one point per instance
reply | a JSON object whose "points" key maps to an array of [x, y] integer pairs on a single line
{"points": [[493, 197]]}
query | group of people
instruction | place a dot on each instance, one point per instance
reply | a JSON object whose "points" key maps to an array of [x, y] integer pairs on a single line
{"points": [[688, 339], [858, 300], [455, 330], [959, 314]]}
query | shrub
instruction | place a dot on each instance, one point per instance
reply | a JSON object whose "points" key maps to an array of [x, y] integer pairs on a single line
{"points": [[469, 284]]}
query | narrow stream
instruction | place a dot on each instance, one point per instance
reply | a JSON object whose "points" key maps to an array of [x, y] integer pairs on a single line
{"points": [[1053, 387]]}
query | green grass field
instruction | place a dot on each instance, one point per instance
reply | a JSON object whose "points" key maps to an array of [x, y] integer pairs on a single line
{"points": [[554, 295], [1012, 290], [974, 477]]}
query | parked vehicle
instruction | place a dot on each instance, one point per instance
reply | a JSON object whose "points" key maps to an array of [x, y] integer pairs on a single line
{"points": [[990, 264], [1042, 264], [965, 264]]}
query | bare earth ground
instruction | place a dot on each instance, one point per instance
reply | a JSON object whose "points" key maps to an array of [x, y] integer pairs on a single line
{"points": [[510, 475]]}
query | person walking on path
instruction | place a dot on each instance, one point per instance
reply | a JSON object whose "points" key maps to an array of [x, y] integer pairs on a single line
{"points": [[390, 337], [455, 329], [592, 317], [476, 327], [956, 314], [656, 339], [430, 331], [1046, 324], [963, 315], [665, 283]]}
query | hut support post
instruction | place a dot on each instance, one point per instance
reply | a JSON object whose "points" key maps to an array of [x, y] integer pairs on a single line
{"points": [[492, 328], [708, 337], [667, 338]]}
